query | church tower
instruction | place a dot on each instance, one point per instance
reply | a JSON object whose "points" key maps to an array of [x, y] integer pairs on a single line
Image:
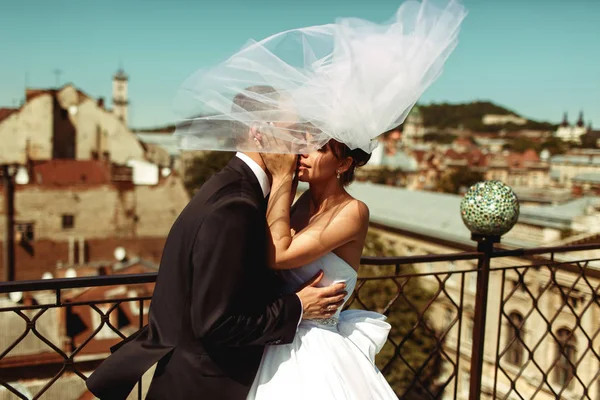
{"points": [[580, 122], [120, 101], [565, 121]]}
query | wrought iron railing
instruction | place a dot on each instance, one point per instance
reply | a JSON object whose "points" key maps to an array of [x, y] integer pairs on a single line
{"points": [[490, 323]]}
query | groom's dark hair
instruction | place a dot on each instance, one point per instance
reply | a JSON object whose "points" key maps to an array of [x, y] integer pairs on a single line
{"points": [[253, 104]]}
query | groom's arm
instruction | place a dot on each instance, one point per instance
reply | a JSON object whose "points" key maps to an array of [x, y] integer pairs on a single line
{"points": [[220, 257]]}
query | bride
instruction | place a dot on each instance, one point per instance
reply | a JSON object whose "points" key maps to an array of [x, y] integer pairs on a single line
{"points": [[320, 95], [332, 358]]}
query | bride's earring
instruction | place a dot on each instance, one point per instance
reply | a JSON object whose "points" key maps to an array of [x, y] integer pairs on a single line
{"points": [[338, 174]]}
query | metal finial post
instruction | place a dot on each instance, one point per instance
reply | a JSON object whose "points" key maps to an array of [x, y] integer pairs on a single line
{"points": [[489, 209]]}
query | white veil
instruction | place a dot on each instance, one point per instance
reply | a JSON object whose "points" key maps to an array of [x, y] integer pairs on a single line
{"points": [[349, 81]]}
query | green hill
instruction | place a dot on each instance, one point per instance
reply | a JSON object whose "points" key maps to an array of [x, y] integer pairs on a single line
{"points": [[469, 116]]}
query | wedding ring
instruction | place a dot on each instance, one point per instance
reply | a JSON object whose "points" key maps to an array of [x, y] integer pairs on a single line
{"points": [[330, 308]]}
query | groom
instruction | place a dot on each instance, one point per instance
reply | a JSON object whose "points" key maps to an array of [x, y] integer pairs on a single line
{"points": [[216, 304]]}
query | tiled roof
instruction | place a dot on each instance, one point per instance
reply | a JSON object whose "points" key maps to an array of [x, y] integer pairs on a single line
{"points": [[558, 216], [575, 159], [589, 177]]}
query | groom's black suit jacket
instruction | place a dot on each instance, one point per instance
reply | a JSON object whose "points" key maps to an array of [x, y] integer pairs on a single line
{"points": [[215, 304]]}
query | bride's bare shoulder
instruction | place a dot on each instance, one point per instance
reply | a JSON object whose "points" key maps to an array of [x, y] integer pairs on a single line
{"points": [[357, 209]]}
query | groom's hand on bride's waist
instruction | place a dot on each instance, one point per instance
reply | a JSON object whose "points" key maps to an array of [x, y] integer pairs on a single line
{"points": [[321, 302]]}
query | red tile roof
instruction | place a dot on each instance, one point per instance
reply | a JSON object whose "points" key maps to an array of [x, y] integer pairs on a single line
{"points": [[6, 112], [530, 155], [31, 94], [71, 172], [419, 155]]}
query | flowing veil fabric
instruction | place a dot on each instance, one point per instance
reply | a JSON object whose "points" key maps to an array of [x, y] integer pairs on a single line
{"points": [[351, 81]]}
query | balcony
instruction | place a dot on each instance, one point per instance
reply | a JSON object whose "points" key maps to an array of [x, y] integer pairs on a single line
{"points": [[487, 324]]}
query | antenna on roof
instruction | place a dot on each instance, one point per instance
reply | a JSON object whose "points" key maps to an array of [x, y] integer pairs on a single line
{"points": [[58, 73]]}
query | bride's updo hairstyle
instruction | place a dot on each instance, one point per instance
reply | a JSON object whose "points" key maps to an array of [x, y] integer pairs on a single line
{"points": [[341, 151]]}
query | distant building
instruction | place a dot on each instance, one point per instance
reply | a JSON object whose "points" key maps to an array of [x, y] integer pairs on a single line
{"points": [[69, 213], [66, 123], [85, 183], [565, 167], [495, 119], [518, 169], [120, 97], [571, 133], [413, 128]]}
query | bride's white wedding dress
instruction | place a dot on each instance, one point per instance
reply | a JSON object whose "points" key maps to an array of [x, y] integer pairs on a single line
{"points": [[329, 359]]}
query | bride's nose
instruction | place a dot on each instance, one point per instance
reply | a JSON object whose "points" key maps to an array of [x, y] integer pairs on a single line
{"points": [[304, 155]]}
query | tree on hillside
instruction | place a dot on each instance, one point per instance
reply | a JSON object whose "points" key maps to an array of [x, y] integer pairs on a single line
{"points": [[459, 180], [555, 146], [589, 140], [439, 137], [469, 116], [521, 144], [203, 167], [385, 176], [416, 337]]}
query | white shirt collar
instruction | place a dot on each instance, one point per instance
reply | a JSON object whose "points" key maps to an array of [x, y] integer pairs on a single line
{"points": [[260, 174]]}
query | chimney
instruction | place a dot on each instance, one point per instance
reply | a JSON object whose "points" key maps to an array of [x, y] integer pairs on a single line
{"points": [[101, 102], [81, 252]]}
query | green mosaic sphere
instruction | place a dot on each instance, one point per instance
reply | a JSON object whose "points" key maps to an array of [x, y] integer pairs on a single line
{"points": [[490, 208]]}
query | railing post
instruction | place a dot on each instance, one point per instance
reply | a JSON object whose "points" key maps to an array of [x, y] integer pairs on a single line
{"points": [[9, 224], [485, 245]]}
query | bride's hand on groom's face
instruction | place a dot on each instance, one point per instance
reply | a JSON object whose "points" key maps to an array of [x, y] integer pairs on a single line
{"points": [[321, 302], [278, 162], [280, 165]]}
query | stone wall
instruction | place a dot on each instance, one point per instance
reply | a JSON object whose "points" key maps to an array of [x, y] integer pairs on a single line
{"points": [[33, 122]]}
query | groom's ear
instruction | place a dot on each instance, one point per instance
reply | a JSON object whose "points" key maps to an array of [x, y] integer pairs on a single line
{"points": [[254, 137]]}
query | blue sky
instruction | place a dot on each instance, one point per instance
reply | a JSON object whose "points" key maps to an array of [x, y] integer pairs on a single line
{"points": [[537, 57]]}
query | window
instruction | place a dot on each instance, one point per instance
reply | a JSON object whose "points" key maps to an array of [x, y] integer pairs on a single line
{"points": [[515, 331], [449, 316], [573, 298], [472, 281], [24, 231], [465, 382], [68, 221], [469, 329], [566, 350]]}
